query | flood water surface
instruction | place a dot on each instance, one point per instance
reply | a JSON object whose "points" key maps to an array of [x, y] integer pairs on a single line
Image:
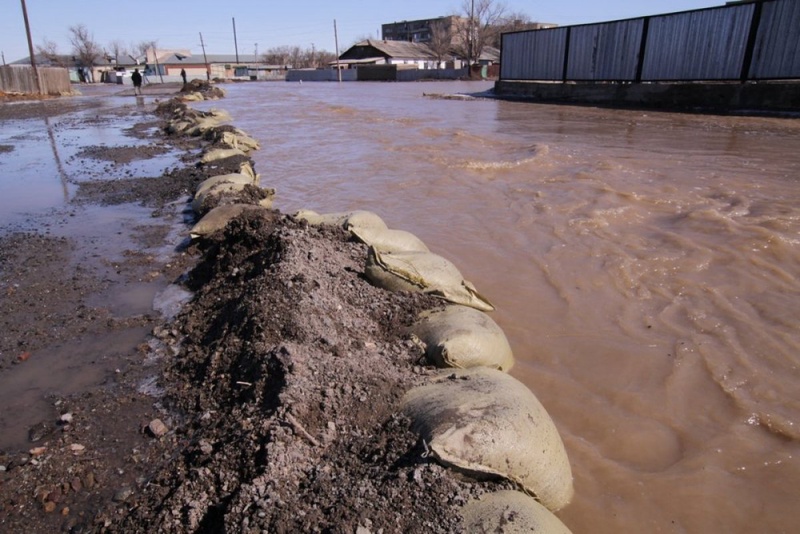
{"points": [[644, 266]]}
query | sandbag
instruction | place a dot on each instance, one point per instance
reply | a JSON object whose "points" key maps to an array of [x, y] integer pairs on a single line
{"points": [[463, 337], [220, 153], [232, 193], [240, 140], [179, 126], [388, 240], [216, 189], [247, 169], [423, 272], [360, 219], [510, 512], [233, 178], [191, 97], [219, 217], [485, 422]]}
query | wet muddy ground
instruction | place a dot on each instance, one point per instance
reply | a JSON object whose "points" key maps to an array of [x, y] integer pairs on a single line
{"points": [[268, 404]]}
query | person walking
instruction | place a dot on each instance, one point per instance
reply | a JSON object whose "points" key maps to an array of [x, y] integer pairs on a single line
{"points": [[136, 78], [183, 75]]}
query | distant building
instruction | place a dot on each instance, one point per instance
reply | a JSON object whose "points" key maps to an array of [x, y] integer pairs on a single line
{"points": [[419, 31], [422, 31], [371, 52], [446, 37]]}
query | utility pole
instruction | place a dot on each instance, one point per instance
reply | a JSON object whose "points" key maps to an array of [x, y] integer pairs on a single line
{"points": [[30, 49], [336, 39], [470, 36], [158, 69], [205, 58], [235, 44]]}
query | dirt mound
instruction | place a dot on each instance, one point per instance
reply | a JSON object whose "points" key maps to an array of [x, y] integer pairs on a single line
{"points": [[289, 372], [208, 90]]}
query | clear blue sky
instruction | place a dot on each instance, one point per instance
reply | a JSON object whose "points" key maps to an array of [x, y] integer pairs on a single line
{"points": [[178, 23]]}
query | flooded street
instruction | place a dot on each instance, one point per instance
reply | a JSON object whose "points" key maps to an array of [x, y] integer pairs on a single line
{"points": [[645, 267]]}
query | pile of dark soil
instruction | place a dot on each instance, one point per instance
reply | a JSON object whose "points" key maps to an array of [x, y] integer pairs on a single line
{"points": [[285, 392]]}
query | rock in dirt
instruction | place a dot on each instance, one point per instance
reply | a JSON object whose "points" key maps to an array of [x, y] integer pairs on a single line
{"points": [[157, 428]]}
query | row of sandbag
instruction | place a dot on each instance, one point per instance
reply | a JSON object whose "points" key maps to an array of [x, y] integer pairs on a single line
{"points": [[219, 198], [473, 417]]}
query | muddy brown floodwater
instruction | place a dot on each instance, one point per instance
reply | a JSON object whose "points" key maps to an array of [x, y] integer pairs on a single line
{"points": [[644, 266]]}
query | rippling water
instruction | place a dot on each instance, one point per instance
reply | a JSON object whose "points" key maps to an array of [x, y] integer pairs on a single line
{"points": [[644, 265]]}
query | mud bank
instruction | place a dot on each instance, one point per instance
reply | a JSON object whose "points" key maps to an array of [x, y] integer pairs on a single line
{"points": [[270, 403]]}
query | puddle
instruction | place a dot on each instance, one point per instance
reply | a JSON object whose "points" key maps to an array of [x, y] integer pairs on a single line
{"points": [[47, 155], [28, 390]]}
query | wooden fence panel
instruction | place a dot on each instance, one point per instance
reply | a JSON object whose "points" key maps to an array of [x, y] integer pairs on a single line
{"points": [[537, 55], [21, 79], [777, 48], [607, 51]]}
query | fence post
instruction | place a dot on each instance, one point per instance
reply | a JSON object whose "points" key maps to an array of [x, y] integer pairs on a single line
{"points": [[566, 55], [747, 60], [642, 49]]}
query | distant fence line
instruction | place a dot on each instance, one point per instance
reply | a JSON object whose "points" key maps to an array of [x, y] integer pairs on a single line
{"points": [[21, 79], [744, 42], [375, 73]]}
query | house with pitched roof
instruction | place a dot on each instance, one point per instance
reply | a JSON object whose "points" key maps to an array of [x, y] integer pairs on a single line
{"points": [[400, 53]]}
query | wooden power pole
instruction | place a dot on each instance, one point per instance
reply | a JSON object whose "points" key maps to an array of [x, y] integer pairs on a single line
{"points": [[205, 58], [30, 48], [336, 39]]}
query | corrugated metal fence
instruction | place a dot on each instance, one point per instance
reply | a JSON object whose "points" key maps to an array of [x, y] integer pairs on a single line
{"points": [[753, 41], [21, 79]]}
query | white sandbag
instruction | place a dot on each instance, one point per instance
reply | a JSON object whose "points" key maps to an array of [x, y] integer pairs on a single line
{"points": [[510, 512], [359, 219], [220, 153], [247, 169], [179, 126], [240, 140], [191, 97], [233, 178], [463, 337], [219, 115], [219, 217], [423, 272], [230, 191], [485, 422], [388, 240]]}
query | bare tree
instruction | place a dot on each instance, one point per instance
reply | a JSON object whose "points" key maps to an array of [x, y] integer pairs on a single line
{"points": [[512, 22], [116, 48], [298, 58], [84, 48], [480, 28], [139, 50], [441, 39], [49, 50], [278, 55]]}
